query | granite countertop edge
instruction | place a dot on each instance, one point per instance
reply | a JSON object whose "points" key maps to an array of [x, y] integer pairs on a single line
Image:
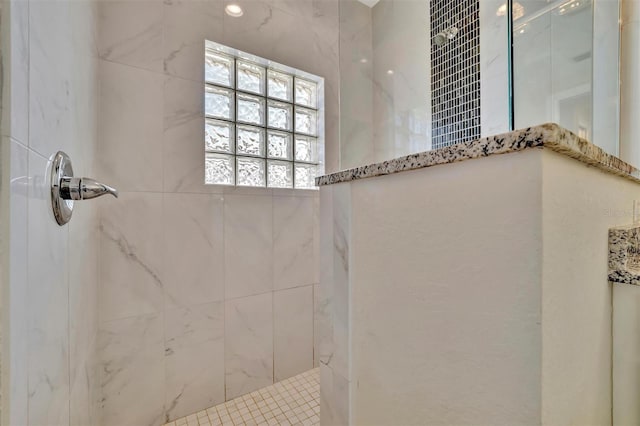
{"points": [[548, 135]]}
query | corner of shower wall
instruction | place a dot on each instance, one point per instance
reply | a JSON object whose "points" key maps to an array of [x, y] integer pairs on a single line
{"points": [[48, 333]]}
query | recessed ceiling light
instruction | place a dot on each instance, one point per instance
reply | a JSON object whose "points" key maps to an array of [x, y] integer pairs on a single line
{"points": [[364, 60], [390, 72], [233, 10]]}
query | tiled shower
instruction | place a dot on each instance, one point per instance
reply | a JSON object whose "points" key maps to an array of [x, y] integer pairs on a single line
{"points": [[182, 297], [178, 295]]}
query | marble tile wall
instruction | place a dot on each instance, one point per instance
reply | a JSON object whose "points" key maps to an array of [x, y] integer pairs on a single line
{"points": [[206, 293], [334, 328], [385, 65], [51, 318]]}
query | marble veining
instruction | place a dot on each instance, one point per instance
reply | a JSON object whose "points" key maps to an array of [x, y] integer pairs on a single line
{"points": [[548, 135], [624, 255]]}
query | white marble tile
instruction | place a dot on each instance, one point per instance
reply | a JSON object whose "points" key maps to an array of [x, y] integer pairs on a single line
{"points": [[82, 147], [327, 416], [195, 275], [493, 43], [62, 76], [292, 331], [248, 245], [130, 127], [298, 8], [84, 246], [323, 320], [305, 41], [334, 398], [187, 24], [131, 250], [18, 297], [356, 99], [606, 76], [494, 105], [47, 295], [51, 77], [79, 402], [183, 140], [322, 327], [494, 84], [316, 238], [341, 275], [84, 28], [294, 39], [293, 255], [342, 400], [84, 403], [248, 344], [132, 371], [253, 31], [15, 102], [131, 33], [194, 361], [532, 79]]}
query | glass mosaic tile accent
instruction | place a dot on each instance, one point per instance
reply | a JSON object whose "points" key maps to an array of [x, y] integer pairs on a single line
{"points": [[306, 93], [251, 77], [261, 121], [251, 171], [219, 169], [218, 103], [305, 176], [279, 145], [455, 73], [279, 115], [306, 121], [219, 68], [250, 109], [250, 141], [306, 149], [279, 174], [280, 85], [219, 136]]}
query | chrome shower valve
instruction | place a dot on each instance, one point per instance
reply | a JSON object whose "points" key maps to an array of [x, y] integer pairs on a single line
{"points": [[65, 188]]}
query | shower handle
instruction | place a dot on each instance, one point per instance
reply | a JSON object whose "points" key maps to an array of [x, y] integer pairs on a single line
{"points": [[72, 188], [65, 188]]}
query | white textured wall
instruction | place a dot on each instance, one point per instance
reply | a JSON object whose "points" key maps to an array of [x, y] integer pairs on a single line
{"points": [[472, 293], [206, 293], [626, 355], [445, 294], [50, 300], [580, 204]]}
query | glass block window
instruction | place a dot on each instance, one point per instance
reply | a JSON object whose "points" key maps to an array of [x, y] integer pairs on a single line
{"points": [[263, 122]]}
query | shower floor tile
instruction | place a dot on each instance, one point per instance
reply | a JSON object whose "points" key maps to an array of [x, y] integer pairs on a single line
{"points": [[294, 401]]}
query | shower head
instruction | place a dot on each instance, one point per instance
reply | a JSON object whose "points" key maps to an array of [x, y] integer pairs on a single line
{"points": [[440, 39], [443, 37]]}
